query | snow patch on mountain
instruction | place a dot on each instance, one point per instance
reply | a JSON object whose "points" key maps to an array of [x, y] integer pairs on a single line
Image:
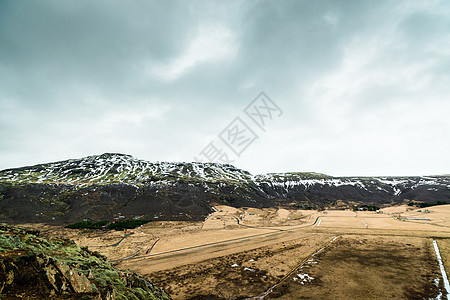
{"points": [[121, 168], [112, 167]]}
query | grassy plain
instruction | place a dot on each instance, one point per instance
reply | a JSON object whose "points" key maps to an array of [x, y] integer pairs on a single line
{"points": [[246, 252]]}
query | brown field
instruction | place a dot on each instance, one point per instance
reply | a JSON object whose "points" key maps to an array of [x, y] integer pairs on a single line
{"points": [[243, 253]]}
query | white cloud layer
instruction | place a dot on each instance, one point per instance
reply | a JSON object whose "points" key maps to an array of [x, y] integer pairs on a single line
{"points": [[363, 85]]}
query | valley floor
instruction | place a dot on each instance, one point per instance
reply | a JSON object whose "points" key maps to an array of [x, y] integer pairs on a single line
{"points": [[243, 253]]}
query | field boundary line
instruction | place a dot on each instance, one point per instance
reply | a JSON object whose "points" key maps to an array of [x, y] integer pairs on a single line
{"points": [[270, 290], [115, 244], [367, 226], [254, 227], [128, 257], [151, 248]]}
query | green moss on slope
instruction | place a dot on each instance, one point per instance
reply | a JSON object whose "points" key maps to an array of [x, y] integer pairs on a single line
{"points": [[36, 268]]}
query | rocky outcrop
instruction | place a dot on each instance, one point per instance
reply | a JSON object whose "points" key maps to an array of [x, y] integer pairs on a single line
{"points": [[18, 269], [35, 268]]}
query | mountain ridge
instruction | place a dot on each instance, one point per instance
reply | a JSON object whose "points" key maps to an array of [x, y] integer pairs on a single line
{"points": [[113, 185], [115, 156], [111, 154]]}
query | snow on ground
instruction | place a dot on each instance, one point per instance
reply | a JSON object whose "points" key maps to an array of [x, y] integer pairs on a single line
{"points": [[304, 278], [441, 267]]}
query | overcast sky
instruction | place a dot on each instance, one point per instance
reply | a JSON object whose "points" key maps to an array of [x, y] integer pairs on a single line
{"points": [[363, 86]]}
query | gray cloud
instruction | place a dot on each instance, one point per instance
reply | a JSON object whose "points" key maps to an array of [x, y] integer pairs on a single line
{"points": [[363, 84]]}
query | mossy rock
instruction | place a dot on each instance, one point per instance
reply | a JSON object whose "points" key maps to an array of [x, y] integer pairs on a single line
{"points": [[31, 265]]}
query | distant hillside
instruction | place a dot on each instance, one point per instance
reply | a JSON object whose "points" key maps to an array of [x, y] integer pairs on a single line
{"points": [[35, 268], [117, 186]]}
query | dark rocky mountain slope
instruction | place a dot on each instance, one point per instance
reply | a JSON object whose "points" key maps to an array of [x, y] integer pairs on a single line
{"points": [[117, 186]]}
